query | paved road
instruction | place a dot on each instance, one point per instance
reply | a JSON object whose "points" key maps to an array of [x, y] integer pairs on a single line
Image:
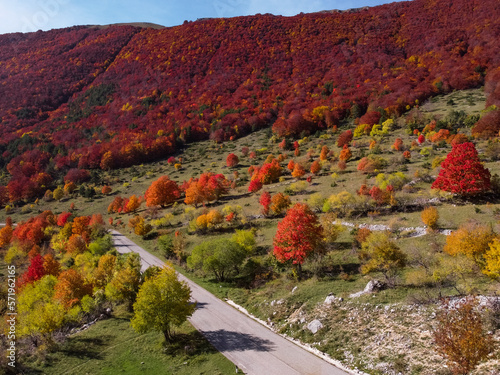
{"points": [[249, 345]]}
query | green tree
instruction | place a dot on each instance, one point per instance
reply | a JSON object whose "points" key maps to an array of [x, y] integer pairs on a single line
{"points": [[38, 313], [379, 253], [125, 283], [218, 256], [162, 302], [246, 239]]}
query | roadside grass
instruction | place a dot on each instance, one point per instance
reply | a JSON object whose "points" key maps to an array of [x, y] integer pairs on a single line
{"points": [[111, 346]]}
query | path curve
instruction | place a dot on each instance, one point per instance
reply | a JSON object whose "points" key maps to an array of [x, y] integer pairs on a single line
{"points": [[249, 345]]}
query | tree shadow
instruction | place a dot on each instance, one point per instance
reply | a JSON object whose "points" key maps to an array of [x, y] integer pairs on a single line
{"points": [[191, 344], [86, 348], [229, 341]]}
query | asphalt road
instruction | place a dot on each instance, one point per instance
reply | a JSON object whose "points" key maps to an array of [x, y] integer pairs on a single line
{"points": [[249, 345]]}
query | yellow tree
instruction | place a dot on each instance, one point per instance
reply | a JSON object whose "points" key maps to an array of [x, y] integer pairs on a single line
{"points": [[162, 302], [430, 217], [38, 313], [379, 253], [471, 239], [104, 271], [133, 204], [492, 260]]}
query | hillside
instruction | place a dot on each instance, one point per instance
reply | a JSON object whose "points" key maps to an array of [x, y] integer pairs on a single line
{"points": [[117, 96]]}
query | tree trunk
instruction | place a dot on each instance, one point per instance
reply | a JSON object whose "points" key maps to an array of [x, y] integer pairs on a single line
{"points": [[167, 335]]}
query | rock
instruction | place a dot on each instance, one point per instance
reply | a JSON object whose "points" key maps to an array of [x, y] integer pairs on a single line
{"points": [[294, 289], [372, 286], [331, 299], [314, 326]]}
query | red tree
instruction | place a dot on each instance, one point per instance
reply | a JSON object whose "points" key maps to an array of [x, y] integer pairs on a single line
{"points": [[344, 138], [265, 202], [255, 185], [299, 234], [35, 270], [232, 160], [462, 172]]}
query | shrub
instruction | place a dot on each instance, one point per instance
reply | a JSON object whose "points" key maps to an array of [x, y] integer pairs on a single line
{"points": [[430, 217], [459, 335]]}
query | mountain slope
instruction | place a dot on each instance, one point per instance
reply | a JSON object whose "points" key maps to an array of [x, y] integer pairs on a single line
{"points": [[106, 98]]}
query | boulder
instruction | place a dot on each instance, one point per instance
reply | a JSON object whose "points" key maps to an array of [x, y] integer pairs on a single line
{"points": [[314, 326], [372, 286]]}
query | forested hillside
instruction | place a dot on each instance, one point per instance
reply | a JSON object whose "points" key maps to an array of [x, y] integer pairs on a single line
{"points": [[86, 98]]}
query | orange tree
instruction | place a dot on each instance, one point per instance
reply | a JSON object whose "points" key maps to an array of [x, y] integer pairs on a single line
{"points": [[162, 192], [298, 235]]}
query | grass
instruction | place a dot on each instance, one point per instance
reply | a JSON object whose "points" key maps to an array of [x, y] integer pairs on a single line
{"points": [[111, 346]]}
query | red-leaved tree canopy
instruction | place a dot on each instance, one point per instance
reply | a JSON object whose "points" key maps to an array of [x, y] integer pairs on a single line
{"points": [[299, 234], [462, 172]]}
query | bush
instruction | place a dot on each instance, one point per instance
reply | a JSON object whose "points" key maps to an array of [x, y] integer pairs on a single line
{"points": [[430, 217], [166, 245], [460, 337]]}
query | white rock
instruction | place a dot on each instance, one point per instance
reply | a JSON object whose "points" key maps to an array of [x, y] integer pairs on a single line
{"points": [[314, 326]]}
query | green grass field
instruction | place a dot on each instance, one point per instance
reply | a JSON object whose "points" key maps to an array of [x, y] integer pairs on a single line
{"points": [[111, 346]]}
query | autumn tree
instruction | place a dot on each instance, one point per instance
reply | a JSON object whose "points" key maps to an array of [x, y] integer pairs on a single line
{"points": [[492, 260], [324, 153], [345, 154], [141, 228], [58, 194], [116, 205], [162, 192], [38, 312], [265, 202], [379, 253], [124, 285], [460, 337], [291, 165], [232, 160], [430, 217], [315, 167], [35, 270], [106, 190], [279, 203], [71, 287], [470, 239], [5, 235], [51, 266], [298, 170], [207, 188], [104, 271], [298, 235], [162, 302], [255, 185], [133, 203], [462, 172], [344, 138]]}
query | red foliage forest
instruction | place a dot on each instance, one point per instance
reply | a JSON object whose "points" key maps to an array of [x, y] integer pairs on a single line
{"points": [[84, 98]]}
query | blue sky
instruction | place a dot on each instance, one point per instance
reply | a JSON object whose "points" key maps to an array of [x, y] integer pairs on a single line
{"points": [[33, 15]]}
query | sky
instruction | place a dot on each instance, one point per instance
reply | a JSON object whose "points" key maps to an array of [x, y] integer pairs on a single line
{"points": [[33, 15]]}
